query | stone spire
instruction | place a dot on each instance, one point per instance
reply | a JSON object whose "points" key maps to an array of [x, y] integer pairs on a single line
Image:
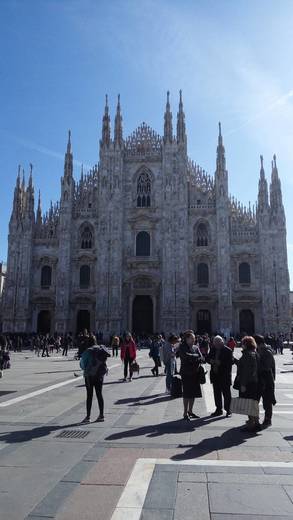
{"points": [[276, 201], [221, 160], [181, 131], [68, 162], [118, 134], [16, 211], [106, 130], [39, 211], [30, 196], [263, 197], [168, 127]]}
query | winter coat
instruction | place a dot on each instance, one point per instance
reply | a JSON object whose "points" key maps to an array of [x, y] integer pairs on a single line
{"points": [[129, 346], [222, 370]]}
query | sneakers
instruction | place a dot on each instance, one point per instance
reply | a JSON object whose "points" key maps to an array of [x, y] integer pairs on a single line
{"points": [[186, 417], [193, 415], [217, 413], [130, 379], [86, 420], [124, 380], [267, 423], [228, 414], [101, 418]]}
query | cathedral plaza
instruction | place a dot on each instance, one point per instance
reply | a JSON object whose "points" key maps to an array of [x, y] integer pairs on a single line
{"points": [[146, 260]]}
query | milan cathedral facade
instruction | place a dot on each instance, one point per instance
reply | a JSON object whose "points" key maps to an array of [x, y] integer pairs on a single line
{"points": [[147, 241]]}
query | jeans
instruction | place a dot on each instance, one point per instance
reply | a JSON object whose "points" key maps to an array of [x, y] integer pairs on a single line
{"points": [[92, 384], [170, 371], [114, 351]]}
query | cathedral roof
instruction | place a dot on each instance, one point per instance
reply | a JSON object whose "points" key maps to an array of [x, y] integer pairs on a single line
{"points": [[144, 141]]}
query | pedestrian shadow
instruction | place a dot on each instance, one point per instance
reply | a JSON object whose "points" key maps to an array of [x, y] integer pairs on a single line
{"points": [[35, 433], [289, 438], [129, 400], [153, 430], [231, 438]]}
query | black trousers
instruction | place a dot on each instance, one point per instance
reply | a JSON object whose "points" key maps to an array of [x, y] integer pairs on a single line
{"points": [[222, 390], [65, 351], [267, 404], [115, 351], [45, 351], [156, 360], [127, 362], [92, 384]]}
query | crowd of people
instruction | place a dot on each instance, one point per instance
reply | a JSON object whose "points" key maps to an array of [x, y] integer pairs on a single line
{"points": [[185, 359]]}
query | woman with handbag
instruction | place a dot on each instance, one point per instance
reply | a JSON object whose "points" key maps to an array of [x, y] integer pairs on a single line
{"points": [[191, 360], [247, 379]]}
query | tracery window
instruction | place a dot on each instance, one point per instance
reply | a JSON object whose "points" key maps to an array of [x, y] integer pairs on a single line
{"points": [[244, 273], [84, 276], [46, 276], [143, 190], [202, 235], [203, 274], [143, 244], [86, 238]]}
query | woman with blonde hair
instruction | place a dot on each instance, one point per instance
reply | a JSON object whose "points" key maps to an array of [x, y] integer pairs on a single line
{"points": [[247, 378]]}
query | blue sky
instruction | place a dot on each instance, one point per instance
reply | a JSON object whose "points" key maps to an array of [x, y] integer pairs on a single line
{"points": [[233, 61]]}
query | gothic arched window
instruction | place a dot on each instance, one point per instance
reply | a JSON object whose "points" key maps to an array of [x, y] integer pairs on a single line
{"points": [[46, 276], [86, 238], [244, 273], [202, 235], [143, 244], [84, 276], [203, 274], [143, 191]]}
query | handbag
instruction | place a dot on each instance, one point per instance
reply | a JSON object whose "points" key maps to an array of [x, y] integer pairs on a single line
{"points": [[236, 384], [242, 406], [201, 375], [135, 366]]}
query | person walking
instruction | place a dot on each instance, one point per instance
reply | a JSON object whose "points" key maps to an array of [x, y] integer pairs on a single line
{"points": [[46, 340], [247, 376], [93, 363], [128, 355], [267, 376], [115, 345], [191, 358], [220, 358], [155, 353], [168, 356]]}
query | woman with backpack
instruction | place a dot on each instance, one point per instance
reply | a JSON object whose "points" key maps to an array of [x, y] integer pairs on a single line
{"points": [[93, 363]]}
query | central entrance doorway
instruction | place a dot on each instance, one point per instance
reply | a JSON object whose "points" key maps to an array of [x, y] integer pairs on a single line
{"points": [[204, 323], [83, 321], [142, 315], [44, 322]]}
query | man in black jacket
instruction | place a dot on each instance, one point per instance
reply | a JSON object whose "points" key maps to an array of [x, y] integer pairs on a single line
{"points": [[220, 358], [266, 378]]}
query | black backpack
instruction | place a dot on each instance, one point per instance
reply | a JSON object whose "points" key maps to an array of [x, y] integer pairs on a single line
{"points": [[97, 366]]}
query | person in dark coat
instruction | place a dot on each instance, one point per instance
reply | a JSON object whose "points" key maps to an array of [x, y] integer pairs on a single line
{"points": [[220, 358], [266, 376], [191, 358]]}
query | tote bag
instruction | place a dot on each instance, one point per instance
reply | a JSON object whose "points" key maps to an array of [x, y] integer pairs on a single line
{"points": [[242, 406]]}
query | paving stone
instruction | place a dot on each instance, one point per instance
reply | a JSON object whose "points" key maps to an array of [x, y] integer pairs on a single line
{"points": [[94, 454], [192, 477], [53, 501], [157, 514], [198, 468], [249, 499], [279, 470], [78, 472], [249, 517], [192, 501], [90, 503], [261, 478], [162, 491], [113, 468]]}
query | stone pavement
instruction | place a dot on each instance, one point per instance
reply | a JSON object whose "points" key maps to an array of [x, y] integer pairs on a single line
{"points": [[143, 462]]}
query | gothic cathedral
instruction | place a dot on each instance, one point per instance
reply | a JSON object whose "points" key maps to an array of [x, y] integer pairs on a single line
{"points": [[147, 241]]}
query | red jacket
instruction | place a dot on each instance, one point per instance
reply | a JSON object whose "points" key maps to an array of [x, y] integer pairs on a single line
{"points": [[132, 349]]}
